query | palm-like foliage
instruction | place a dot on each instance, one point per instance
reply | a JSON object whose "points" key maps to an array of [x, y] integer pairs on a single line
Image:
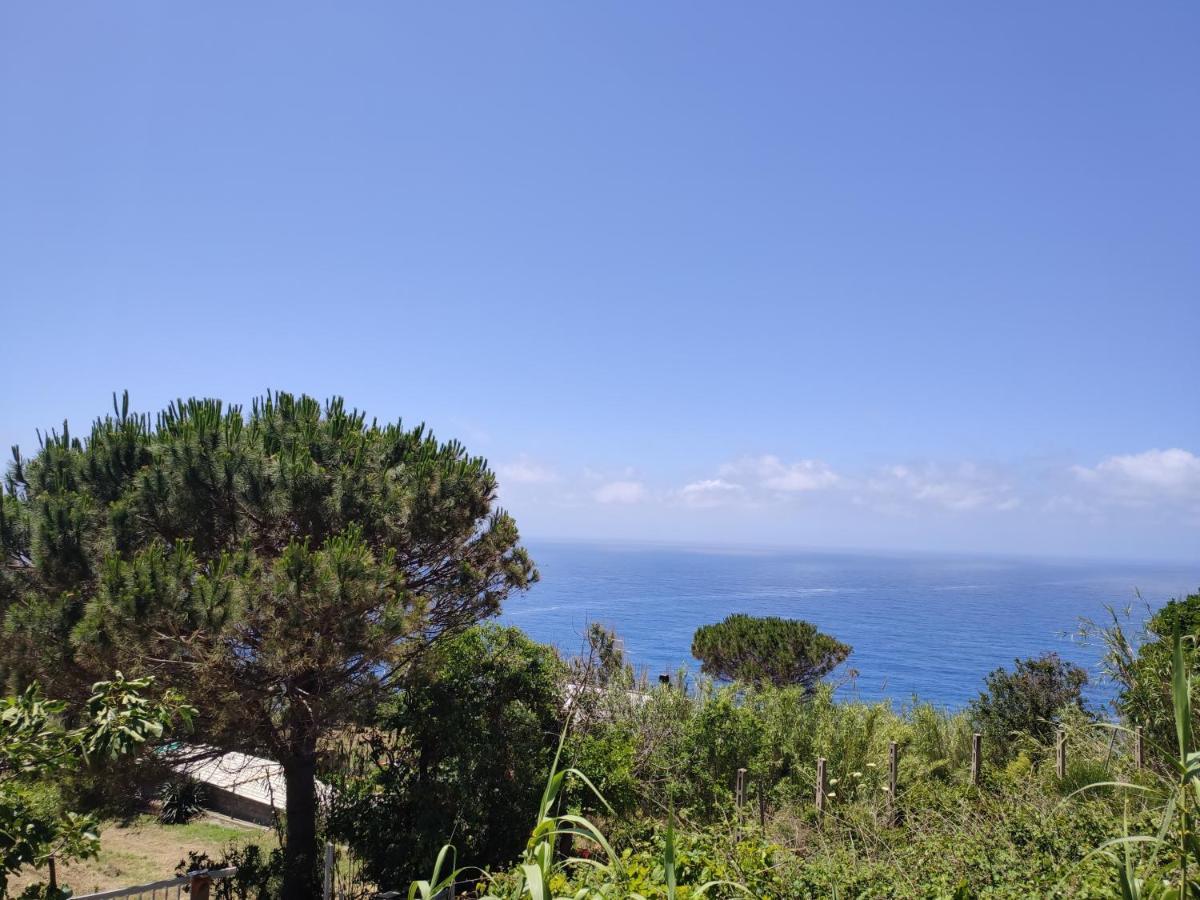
{"points": [[1165, 865], [541, 863]]}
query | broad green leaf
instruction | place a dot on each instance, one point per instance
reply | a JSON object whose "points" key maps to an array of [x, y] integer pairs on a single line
{"points": [[1181, 692]]}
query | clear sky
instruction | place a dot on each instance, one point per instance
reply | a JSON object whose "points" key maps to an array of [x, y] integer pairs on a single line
{"points": [[919, 275]]}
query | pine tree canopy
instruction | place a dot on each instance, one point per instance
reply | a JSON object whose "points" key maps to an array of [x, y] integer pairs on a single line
{"points": [[767, 650], [280, 566]]}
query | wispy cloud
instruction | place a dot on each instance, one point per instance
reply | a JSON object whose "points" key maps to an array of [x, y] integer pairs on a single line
{"points": [[525, 471], [711, 492], [620, 492], [759, 480], [773, 474], [807, 495], [959, 488], [1169, 477]]}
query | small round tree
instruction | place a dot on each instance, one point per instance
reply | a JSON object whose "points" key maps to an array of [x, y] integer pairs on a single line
{"points": [[1027, 700], [767, 650]]}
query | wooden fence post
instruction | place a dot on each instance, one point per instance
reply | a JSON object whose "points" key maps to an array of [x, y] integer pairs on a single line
{"points": [[820, 786], [976, 758], [327, 893], [1139, 749], [893, 779], [739, 793], [199, 885], [1060, 756]]}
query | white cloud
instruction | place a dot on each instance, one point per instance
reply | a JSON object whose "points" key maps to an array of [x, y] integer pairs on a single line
{"points": [[958, 488], [806, 497], [771, 473], [624, 492], [1154, 476], [710, 492], [526, 471]]}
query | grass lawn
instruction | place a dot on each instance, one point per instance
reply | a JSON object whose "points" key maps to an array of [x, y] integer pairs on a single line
{"points": [[142, 850]]}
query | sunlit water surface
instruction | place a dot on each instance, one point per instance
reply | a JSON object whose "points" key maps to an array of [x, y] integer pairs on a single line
{"points": [[923, 626]]}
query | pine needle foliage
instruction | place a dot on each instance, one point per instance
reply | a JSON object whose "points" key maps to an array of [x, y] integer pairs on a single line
{"points": [[767, 650], [282, 565]]}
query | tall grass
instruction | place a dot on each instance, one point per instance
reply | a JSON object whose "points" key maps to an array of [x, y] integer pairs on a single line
{"points": [[541, 864], [664, 749], [1164, 865]]}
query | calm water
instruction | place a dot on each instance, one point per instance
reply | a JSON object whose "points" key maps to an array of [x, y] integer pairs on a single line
{"points": [[919, 625]]}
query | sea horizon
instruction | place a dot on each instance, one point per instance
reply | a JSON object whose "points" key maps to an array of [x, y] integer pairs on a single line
{"points": [[923, 624], [735, 547]]}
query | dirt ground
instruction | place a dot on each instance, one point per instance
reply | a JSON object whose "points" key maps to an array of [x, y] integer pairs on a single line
{"points": [[142, 851]]}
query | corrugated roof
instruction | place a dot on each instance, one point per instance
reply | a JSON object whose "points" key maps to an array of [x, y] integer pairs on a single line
{"points": [[252, 777]]}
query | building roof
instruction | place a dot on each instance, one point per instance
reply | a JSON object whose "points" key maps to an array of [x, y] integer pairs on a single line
{"points": [[251, 777]]}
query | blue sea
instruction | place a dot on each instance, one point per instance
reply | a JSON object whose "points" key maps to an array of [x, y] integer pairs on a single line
{"points": [[929, 627]]}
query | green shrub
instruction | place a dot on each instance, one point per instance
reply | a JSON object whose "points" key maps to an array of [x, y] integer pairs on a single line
{"points": [[940, 743], [1019, 767], [767, 650], [1083, 774], [1144, 675], [468, 739], [611, 755], [259, 876], [657, 749], [1026, 702]]}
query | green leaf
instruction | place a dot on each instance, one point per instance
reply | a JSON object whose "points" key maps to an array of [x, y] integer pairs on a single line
{"points": [[535, 884], [1181, 694]]}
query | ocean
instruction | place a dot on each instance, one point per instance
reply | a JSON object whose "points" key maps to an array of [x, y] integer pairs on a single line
{"points": [[927, 627]]}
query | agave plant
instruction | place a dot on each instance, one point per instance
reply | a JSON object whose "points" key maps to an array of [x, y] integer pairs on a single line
{"points": [[182, 799]]}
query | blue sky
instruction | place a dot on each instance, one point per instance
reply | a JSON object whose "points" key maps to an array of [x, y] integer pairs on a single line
{"points": [[866, 275]]}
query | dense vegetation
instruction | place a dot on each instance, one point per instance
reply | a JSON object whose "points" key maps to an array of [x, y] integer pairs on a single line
{"points": [[462, 750], [38, 751], [316, 586], [657, 755], [663, 765], [284, 567]]}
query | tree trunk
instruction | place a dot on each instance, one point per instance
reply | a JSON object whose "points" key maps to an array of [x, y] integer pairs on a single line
{"points": [[300, 850]]}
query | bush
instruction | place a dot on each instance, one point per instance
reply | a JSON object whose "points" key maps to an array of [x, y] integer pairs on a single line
{"points": [[1144, 675], [121, 789], [474, 730], [939, 745], [1083, 774], [1026, 701], [651, 749], [767, 650], [258, 876], [610, 755]]}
